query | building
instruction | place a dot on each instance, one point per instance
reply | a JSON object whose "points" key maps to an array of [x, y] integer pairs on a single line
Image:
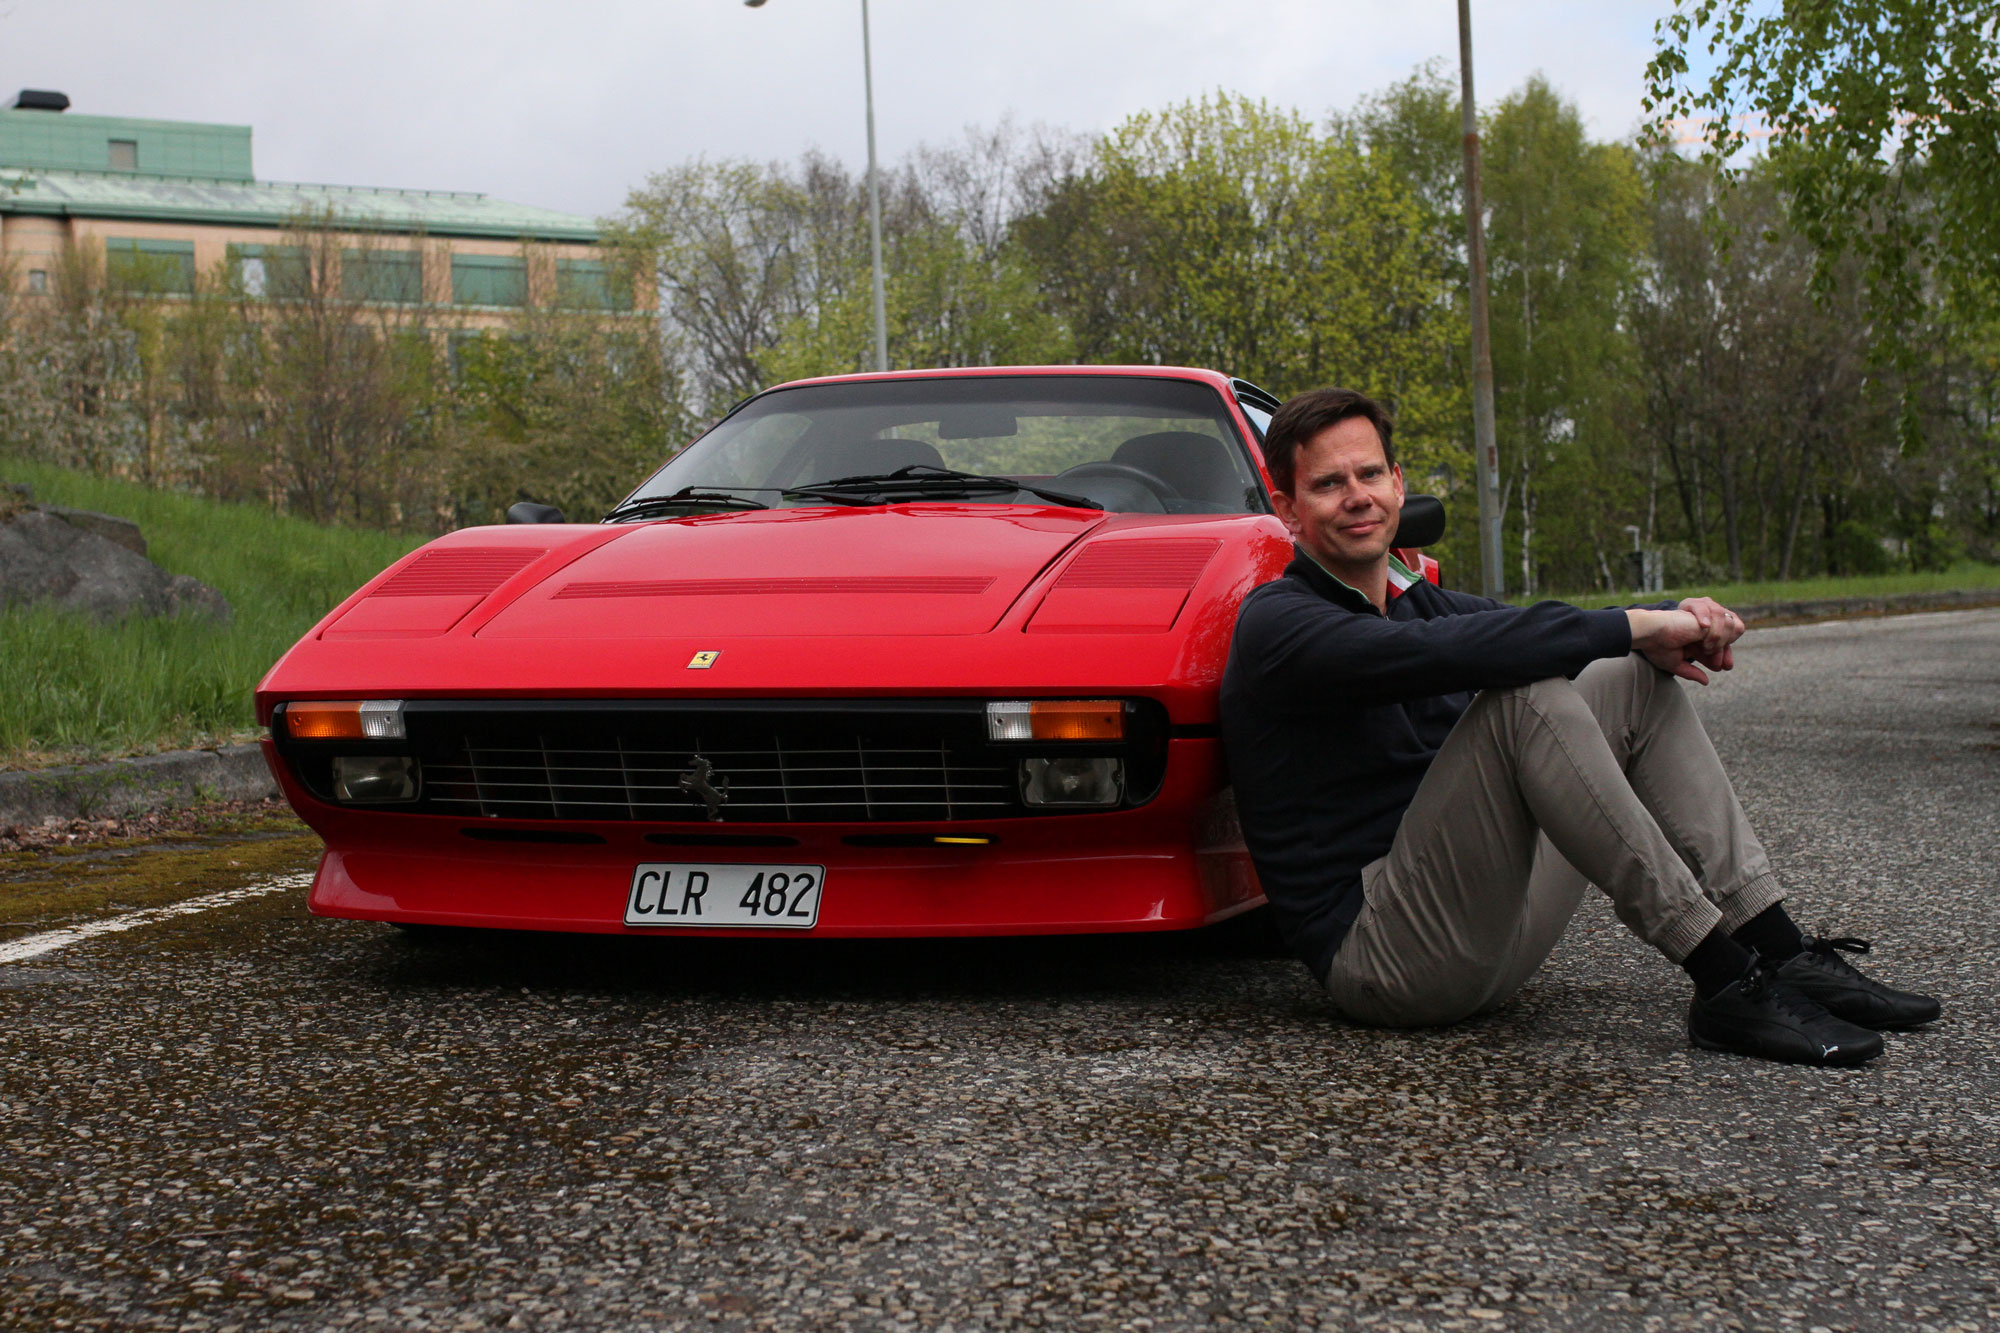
{"points": [[176, 201]]}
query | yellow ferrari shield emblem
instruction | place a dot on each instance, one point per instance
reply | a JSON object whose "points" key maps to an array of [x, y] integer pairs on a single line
{"points": [[703, 660]]}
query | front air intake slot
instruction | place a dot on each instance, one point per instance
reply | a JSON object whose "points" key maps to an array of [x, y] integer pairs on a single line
{"points": [[916, 584]]}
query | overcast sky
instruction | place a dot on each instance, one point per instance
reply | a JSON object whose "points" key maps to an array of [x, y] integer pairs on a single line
{"points": [[569, 106]]}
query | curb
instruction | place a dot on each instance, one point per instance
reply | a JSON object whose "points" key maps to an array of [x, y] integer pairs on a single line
{"points": [[136, 786], [1854, 608]]}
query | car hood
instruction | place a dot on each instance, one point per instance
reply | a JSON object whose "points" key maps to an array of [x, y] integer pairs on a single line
{"points": [[905, 570]]}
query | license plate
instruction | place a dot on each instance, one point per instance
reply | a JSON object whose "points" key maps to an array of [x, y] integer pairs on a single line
{"points": [[673, 893]]}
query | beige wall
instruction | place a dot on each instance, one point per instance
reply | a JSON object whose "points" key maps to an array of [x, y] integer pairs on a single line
{"points": [[29, 242]]}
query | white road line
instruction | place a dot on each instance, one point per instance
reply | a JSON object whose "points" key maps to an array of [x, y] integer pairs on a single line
{"points": [[34, 946]]}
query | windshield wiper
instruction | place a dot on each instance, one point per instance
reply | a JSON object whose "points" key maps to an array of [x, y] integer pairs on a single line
{"points": [[922, 479], [687, 497]]}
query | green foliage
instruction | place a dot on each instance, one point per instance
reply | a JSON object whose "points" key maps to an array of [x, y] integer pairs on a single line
{"points": [[766, 268], [1883, 118], [72, 688], [1228, 233], [1565, 234], [564, 409]]}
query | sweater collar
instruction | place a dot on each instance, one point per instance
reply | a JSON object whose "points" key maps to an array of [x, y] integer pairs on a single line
{"points": [[1307, 568]]}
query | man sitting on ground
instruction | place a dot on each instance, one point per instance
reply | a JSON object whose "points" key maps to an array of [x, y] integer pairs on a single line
{"points": [[1428, 781]]}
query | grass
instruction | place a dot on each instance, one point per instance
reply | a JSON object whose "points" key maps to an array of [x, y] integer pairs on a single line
{"points": [[72, 689], [1961, 577], [1966, 576]]}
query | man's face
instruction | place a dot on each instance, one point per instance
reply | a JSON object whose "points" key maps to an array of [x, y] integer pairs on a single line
{"points": [[1346, 497]]}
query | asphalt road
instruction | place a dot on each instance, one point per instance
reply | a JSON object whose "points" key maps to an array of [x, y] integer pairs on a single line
{"points": [[248, 1118]]}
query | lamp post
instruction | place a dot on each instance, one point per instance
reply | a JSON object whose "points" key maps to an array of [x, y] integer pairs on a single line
{"points": [[1485, 452], [874, 192]]}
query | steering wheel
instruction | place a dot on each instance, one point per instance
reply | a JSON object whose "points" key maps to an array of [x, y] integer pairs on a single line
{"points": [[1158, 487]]}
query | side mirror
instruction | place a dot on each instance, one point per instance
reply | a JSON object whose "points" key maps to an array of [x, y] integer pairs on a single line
{"points": [[1422, 523], [527, 511]]}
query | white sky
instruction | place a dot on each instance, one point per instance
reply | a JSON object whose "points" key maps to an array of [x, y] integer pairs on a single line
{"points": [[569, 106]]}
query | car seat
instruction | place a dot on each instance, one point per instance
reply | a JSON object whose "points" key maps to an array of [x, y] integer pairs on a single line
{"points": [[1194, 464]]}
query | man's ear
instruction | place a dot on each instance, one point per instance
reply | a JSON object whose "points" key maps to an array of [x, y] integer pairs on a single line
{"points": [[1396, 470], [1288, 514]]}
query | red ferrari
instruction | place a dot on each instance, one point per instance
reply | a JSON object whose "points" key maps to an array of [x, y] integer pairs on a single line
{"points": [[926, 653]]}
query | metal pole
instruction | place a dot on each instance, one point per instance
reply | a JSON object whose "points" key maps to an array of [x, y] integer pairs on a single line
{"points": [[875, 200], [1486, 453]]}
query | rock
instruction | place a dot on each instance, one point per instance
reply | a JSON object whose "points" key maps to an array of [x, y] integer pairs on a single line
{"points": [[90, 566], [121, 530]]}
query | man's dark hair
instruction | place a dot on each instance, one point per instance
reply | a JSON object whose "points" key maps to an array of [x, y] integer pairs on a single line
{"points": [[1309, 413]]}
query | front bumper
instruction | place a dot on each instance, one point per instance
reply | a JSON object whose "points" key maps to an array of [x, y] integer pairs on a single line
{"points": [[1176, 862]]}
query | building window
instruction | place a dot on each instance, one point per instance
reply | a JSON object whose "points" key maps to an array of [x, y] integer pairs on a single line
{"points": [[489, 280], [281, 272], [153, 267], [458, 347], [382, 275], [587, 284], [38, 279], [124, 155]]}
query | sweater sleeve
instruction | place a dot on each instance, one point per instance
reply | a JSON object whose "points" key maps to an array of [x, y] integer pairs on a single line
{"points": [[1301, 647]]}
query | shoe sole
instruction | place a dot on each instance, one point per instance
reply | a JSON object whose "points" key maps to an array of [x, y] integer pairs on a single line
{"points": [[1709, 1044]]}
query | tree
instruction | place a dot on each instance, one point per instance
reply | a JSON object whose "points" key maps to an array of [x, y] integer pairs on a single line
{"points": [[1225, 232], [764, 268], [1885, 125], [1565, 230], [568, 407], [1758, 403]]}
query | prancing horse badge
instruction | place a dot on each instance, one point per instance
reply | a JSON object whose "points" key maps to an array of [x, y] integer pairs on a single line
{"points": [[702, 661]]}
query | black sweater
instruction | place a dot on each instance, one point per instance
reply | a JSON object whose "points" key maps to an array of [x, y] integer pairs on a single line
{"points": [[1332, 711]]}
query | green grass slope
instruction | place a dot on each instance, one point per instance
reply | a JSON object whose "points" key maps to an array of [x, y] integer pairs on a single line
{"points": [[72, 689]]}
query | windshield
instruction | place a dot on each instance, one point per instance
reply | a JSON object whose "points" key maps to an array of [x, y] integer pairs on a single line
{"points": [[1127, 444]]}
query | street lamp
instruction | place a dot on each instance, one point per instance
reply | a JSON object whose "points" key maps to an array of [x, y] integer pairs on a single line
{"points": [[874, 191]]}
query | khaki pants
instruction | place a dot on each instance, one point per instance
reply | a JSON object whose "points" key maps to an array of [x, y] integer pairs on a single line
{"points": [[1539, 792]]}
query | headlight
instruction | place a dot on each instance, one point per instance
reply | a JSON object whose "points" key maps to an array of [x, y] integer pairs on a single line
{"points": [[1072, 781], [374, 778]]}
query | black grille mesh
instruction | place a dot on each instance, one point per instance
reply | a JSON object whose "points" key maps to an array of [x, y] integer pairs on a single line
{"points": [[780, 765], [808, 780]]}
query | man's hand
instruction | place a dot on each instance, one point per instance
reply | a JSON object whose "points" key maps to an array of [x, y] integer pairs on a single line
{"points": [[1683, 641], [1721, 627]]}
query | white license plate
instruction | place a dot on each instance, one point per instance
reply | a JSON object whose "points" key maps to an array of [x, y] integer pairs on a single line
{"points": [[673, 893]]}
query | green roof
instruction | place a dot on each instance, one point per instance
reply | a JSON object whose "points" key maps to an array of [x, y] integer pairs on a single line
{"points": [[64, 142], [137, 197]]}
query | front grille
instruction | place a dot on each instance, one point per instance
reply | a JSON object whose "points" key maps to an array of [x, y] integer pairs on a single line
{"points": [[784, 760], [808, 780]]}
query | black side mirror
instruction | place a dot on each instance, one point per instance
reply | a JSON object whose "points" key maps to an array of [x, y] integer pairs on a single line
{"points": [[527, 511], [1422, 523]]}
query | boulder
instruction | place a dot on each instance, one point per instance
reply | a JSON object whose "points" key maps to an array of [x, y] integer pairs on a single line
{"points": [[93, 563], [121, 530]]}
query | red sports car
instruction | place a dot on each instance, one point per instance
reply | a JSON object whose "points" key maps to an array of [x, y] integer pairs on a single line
{"points": [[926, 653]]}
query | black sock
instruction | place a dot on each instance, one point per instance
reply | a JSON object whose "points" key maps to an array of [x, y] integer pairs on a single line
{"points": [[1772, 933], [1716, 961]]}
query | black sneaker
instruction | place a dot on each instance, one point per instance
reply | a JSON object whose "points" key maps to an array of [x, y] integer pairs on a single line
{"points": [[1761, 1015], [1830, 981]]}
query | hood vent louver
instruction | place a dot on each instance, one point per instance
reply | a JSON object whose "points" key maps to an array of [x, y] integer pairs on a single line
{"points": [[1139, 564], [459, 571], [1133, 587]]}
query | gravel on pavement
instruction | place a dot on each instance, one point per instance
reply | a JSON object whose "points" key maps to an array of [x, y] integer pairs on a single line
{"points": [[254, 1119]]}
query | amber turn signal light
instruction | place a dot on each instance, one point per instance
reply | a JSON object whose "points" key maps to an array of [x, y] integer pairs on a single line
{"points": [[345, 720], [1056, 720]]}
